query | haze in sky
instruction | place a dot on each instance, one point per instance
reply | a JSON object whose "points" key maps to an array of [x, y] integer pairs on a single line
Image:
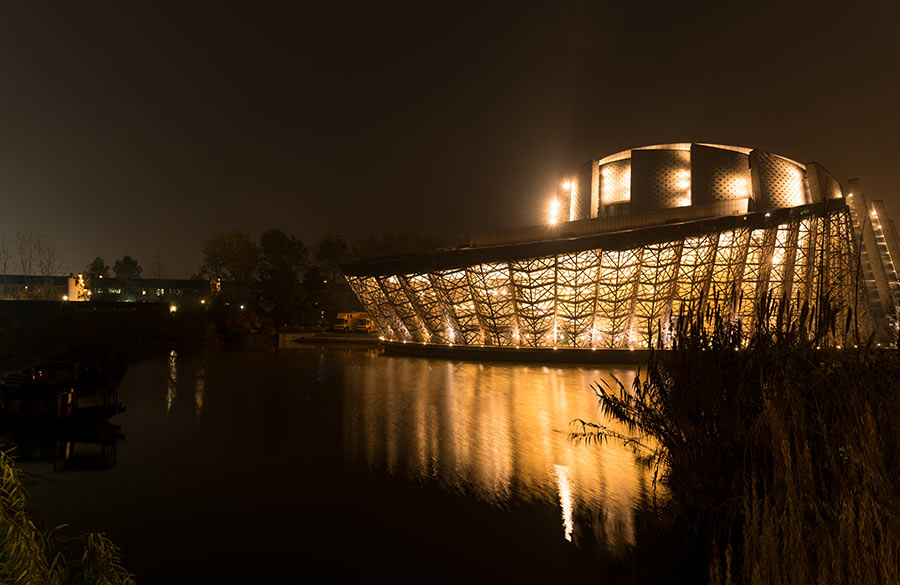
{"points": [[127, 128]]}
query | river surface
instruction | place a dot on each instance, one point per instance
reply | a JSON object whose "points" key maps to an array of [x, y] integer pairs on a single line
{"points": [[321, 463]]}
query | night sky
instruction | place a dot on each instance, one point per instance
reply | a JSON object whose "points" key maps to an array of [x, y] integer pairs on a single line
{"points": [[131, 127]]}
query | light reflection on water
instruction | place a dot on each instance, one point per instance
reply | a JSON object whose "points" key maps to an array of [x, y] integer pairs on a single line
{"points": [[200, 388], [498, 432], [290, 450], [172, 382]]}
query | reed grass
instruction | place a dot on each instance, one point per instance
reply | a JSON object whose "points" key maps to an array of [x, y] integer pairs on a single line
{"points": [[778, 449], [31, 554]]}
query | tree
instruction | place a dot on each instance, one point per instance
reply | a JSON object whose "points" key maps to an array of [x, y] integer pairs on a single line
{"points": [[94, 272], [282, 261], [6, 253], [231, 256], [213, 266], [25, 245], [127, 269], [325, 282], [47, 255], [393, 244], [281, 253], [158, 268], [6, 257], [332, 251]]}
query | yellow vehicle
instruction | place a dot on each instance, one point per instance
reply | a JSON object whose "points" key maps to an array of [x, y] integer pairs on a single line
{"points": [[347, 322], [341, 322], [364, 325]]}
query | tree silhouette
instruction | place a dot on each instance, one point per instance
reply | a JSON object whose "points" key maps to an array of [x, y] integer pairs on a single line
{"points": [[231, 256], [282, 262], [94, 272], [127, 269]]}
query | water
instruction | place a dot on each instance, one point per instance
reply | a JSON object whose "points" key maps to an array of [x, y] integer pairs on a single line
{"points": [[252, 466]]}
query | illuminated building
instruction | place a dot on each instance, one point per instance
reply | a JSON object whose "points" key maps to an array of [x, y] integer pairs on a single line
{"points": [[877, 238], [652, 233]]}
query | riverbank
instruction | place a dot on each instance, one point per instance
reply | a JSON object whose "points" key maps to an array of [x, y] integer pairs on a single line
{"points": [[33, 331], [290, 336]]}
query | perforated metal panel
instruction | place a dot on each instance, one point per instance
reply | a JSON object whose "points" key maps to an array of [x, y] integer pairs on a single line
{"points": [[404, 307], [576, 288], [615, 182], [653, 300], [661, 179], [619, 298], [822, 185], [463, 325], [379, 307], [718, 174], [535, 288], [430, 305], [495, 302], [777, 182]]}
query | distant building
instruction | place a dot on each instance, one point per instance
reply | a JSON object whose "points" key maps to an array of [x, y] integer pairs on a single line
{"points": [[71, 288], [15, 287], [635, 240], [152, 290]]}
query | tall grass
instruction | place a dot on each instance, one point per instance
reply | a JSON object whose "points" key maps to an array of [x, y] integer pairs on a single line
{"points": [[31, 554], [778, 449]]}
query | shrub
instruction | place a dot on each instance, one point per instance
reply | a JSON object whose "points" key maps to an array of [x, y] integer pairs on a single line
{"points": [[780, 450], [33, 555]]}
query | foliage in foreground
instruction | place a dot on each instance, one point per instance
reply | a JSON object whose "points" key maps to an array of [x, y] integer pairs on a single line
{"points": [[781, 453], [32, 555]]}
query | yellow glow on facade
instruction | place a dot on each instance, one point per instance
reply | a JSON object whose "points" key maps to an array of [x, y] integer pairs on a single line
{"points": [[794, 187], [740, 187], [580, 294], [604, 299], [683, 180]]}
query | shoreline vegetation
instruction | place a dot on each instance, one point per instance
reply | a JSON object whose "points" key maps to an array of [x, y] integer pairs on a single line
{"points": [[33, 554], [779, 452]]}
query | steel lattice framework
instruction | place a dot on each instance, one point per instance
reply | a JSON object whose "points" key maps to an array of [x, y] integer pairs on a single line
{"points": [[625, 293]]}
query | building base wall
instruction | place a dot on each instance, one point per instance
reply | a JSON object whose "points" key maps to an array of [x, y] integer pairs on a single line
{"points": [[522, 354]]}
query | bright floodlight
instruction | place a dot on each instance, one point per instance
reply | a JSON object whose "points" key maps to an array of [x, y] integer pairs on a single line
{"points": [[554, 212]]}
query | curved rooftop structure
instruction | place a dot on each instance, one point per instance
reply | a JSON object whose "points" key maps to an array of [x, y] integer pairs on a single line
{"points": [[667, 176], [651, 232]]}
